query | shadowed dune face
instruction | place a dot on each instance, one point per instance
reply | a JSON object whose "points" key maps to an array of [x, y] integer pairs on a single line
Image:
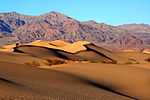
{"points": [[41, 52], [35, 51], [101, 51], [85, 56], [112, 56], [93, 56], [18, 81]]}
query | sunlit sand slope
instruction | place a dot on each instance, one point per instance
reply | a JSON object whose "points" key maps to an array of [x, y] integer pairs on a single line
{"points": [[61, 45], [7, 48]]}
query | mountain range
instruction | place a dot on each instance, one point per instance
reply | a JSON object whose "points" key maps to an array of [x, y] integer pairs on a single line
{"points": [[15, 27]]}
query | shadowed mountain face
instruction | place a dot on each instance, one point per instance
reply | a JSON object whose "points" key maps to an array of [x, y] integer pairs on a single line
{"points": [[54, 25]]}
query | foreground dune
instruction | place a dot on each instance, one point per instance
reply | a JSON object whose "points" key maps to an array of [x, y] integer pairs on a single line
{"points": [[123, 79], [18, 80]]}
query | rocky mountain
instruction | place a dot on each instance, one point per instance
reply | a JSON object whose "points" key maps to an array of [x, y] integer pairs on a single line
{"points": [[54, 25], [136, 28]]}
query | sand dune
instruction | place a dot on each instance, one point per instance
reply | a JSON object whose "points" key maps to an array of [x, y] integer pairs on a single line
{"points": [[47, 54], [36, 51], [22, 59], [78, 51], [21, 80], [85, 56], [127, 80], [146, 51], [75, 47], [42, 43], [55, 54], [109, 54], [81, 50], [7, 48], [55, 70], [61, 45], [139, 57]]}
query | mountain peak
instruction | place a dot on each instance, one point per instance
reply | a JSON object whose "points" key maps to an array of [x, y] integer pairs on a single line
{"points": [[54, 13], [90, 22]]}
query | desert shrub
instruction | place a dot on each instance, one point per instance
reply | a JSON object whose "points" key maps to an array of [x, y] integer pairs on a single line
{"points": [[55, 61], [129, 62], [33, 63], [132, 61]]}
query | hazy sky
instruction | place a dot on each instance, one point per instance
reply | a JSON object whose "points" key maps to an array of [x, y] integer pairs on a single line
{"points": [[108, 11]]}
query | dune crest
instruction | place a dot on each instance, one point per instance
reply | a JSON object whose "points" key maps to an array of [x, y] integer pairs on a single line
{"points": [[61, 45]]}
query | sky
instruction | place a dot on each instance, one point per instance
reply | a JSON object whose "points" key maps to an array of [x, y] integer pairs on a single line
{"points": [[114, 12]]}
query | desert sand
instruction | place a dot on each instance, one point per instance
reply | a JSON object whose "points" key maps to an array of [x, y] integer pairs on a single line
{"points": [[59, 70], [127, 80], [21, 80], [7, 48], [61, 45]]}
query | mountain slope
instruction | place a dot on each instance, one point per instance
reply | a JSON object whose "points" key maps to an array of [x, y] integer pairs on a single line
{"points": [[136, 28], [62, 27], [54, 26]]}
